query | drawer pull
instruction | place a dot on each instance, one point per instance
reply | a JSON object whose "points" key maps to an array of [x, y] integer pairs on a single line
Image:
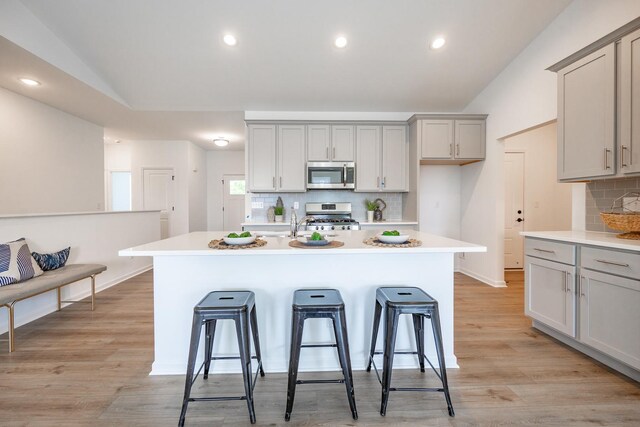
{"points": [[544, 250], [619, 264]]}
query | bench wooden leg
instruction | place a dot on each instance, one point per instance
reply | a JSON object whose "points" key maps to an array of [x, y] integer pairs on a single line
{"points": [[59, 298], [11, 325], [93, 292]]}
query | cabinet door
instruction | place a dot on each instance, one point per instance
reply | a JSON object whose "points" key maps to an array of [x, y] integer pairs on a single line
{"points": [[394, 154], [368, 148], [609, 315], [262, 158], [586, 116], [436, 141], [630, 103], [291, 155], [550, 294], [469, 139], [318, 143], [342, 143]]}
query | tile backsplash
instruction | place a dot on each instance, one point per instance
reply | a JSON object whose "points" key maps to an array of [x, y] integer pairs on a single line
{"points": [[392, 200], [600, 196]]}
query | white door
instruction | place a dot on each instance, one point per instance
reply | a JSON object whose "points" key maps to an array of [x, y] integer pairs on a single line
{"points": [[233, 202], [158, 195], [514, 209]]}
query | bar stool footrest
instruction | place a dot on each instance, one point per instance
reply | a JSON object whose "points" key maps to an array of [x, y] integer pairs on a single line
{"points": [[441, 390], [320, 381], [216, 399], [318, 345]]}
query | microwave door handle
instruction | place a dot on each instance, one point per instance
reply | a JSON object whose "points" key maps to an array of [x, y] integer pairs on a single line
{"points": [[344, 175]]}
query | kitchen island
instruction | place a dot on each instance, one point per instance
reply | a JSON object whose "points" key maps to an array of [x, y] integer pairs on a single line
{"points": [[186, 269]]}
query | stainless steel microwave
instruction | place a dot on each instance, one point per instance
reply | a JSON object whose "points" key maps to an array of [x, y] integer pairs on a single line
{"points": [[331, 175]]}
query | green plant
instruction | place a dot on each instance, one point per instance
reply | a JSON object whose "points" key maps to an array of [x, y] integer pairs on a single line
{"points": [[371, 206], [278, 210]]}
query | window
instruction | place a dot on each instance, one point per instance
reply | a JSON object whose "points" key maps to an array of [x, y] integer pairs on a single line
{"points": [[236, 187], [121, 191]]}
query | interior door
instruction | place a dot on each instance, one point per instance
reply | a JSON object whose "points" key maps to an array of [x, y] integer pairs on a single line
{"points": [[158, 194], [514, 209], [233, 202]]}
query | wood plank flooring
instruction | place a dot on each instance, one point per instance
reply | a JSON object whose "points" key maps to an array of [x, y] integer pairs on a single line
{"points": [[83, 368]]}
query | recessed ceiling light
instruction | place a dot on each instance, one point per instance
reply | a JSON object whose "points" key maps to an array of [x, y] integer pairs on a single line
{"points": [[29, 82], [341, 42], [437, 43], [221, 142], [230, 40]]}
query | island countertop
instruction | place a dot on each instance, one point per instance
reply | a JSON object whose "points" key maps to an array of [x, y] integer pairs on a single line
{"points": [[196, 243]]}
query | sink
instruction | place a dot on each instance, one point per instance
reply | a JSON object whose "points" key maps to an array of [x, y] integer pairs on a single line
{"points": [[272, 233]]}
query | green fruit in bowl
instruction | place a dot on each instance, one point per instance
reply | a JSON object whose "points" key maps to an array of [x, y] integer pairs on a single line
{"points": [[316, 236], [233, 236], [246, 234], [391, 233]]}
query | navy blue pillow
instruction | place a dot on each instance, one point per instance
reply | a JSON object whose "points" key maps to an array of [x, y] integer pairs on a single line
{"points": [[52, 261]]}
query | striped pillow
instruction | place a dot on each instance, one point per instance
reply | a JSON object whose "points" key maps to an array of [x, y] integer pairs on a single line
{"points": [[16, 263], [52, 261]]}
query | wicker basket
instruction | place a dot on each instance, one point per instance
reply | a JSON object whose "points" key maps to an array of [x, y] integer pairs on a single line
{"points": [[629, 222]]}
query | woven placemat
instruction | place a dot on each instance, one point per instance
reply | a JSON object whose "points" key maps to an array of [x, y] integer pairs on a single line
{"points": [[411, 243], [331, 244], [220, 244]]}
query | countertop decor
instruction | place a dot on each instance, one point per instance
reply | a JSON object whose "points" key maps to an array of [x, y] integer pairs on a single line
{"points": [[331, 244], [220, 244], [410, 243]]}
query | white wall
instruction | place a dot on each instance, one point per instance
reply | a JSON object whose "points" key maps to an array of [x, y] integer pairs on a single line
{"points": [[522, 96], [440, 200], [197, 188], [547, 203], [93, 238], [50, 161], [220, 163], [138, 155]]}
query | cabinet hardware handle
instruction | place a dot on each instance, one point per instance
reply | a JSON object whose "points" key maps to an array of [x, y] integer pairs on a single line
{"points": [[457, 149], [544, 250], [451, 149], [606, 158], [582, 294], [378, 182], [327, 153], [334, 152], [622, 163], [619, 264], [564, 281], [568, 281], [273, 182], [280, 182], [384, 181]]}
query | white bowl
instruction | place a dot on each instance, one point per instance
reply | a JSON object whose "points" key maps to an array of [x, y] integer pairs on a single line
{"points": [[239, 240], [393, 239]]}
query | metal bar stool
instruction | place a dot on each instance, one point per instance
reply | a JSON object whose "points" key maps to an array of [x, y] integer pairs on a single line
{"points": [[414, 301], [238, 306], [314, 304]]}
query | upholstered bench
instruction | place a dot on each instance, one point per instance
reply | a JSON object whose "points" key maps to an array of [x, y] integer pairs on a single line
{"points": [[48, 281]]}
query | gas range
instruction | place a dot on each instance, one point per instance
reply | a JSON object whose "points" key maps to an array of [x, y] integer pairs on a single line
{"points": [[330, 216]]}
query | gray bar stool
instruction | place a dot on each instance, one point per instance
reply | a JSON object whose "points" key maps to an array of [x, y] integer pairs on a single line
{"points": [[314, 304], [414, 301], [238, 306]]}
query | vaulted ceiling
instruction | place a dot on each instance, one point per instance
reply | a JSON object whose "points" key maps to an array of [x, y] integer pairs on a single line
{"points": [[151, 61]]}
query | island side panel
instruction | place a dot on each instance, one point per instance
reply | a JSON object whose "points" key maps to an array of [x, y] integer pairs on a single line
{"points": [[181, 281]]}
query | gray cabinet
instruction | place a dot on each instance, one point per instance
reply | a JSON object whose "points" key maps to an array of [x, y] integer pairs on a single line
{"points": [[449, 139], [586, 116], [381, 158], [276, 158], [330, 143], [629, 152]]}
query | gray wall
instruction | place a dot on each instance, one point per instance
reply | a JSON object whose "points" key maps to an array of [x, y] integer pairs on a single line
{"points": [[600, 196]]}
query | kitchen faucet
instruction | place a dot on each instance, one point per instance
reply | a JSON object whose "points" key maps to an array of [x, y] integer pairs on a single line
{"points": [[306, 218]]}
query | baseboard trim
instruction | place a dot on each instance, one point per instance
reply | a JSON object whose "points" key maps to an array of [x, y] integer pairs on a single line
{"points": [[483, 279]]}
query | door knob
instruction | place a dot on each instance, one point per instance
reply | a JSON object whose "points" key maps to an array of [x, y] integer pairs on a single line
{"points": [[519, 219], [519, 211]]}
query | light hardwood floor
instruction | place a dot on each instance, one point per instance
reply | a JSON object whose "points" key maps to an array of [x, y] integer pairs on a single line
{"points": [[78, 367]]}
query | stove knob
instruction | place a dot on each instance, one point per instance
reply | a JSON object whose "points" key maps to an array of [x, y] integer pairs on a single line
{"points": [[322, 227], [333, 227], [343, 227], [348, 227]]}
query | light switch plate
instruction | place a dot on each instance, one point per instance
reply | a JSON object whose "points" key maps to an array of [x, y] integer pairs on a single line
{"points": [[296, 205], [257, 205], [631, 204]]}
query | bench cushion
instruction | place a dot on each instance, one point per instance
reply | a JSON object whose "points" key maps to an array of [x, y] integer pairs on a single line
{"points": [[47, 281]]}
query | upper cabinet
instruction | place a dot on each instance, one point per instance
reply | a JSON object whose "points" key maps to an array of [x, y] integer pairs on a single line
{"points": [[598, 90], [276, 158], [327, 143], [449, 139], [381, 158]]}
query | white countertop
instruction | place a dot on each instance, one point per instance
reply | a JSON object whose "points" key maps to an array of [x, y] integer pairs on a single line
{"points": [[34, 215], [362, 223], [594, 238], [197, 244]]}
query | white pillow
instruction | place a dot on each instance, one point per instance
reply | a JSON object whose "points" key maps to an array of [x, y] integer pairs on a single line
{"points": [[16, 263]]}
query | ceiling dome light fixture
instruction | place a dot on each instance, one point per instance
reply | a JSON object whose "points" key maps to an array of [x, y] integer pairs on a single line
{"points": [[437, 43], [29, 82], [341, 42], [221, 142], [230, 40]]}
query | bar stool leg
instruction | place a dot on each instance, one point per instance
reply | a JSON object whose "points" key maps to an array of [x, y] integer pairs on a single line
{"points": [[196, 328], [374, 333], [256, 338], [390, 331], [342, 341], [437, 335], [242, 331], [418, 328], [297, 326], [209, 333]]}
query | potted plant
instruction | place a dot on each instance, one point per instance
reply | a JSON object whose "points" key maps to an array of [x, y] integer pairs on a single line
{"points": [[279, 213], [371, 206]]}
